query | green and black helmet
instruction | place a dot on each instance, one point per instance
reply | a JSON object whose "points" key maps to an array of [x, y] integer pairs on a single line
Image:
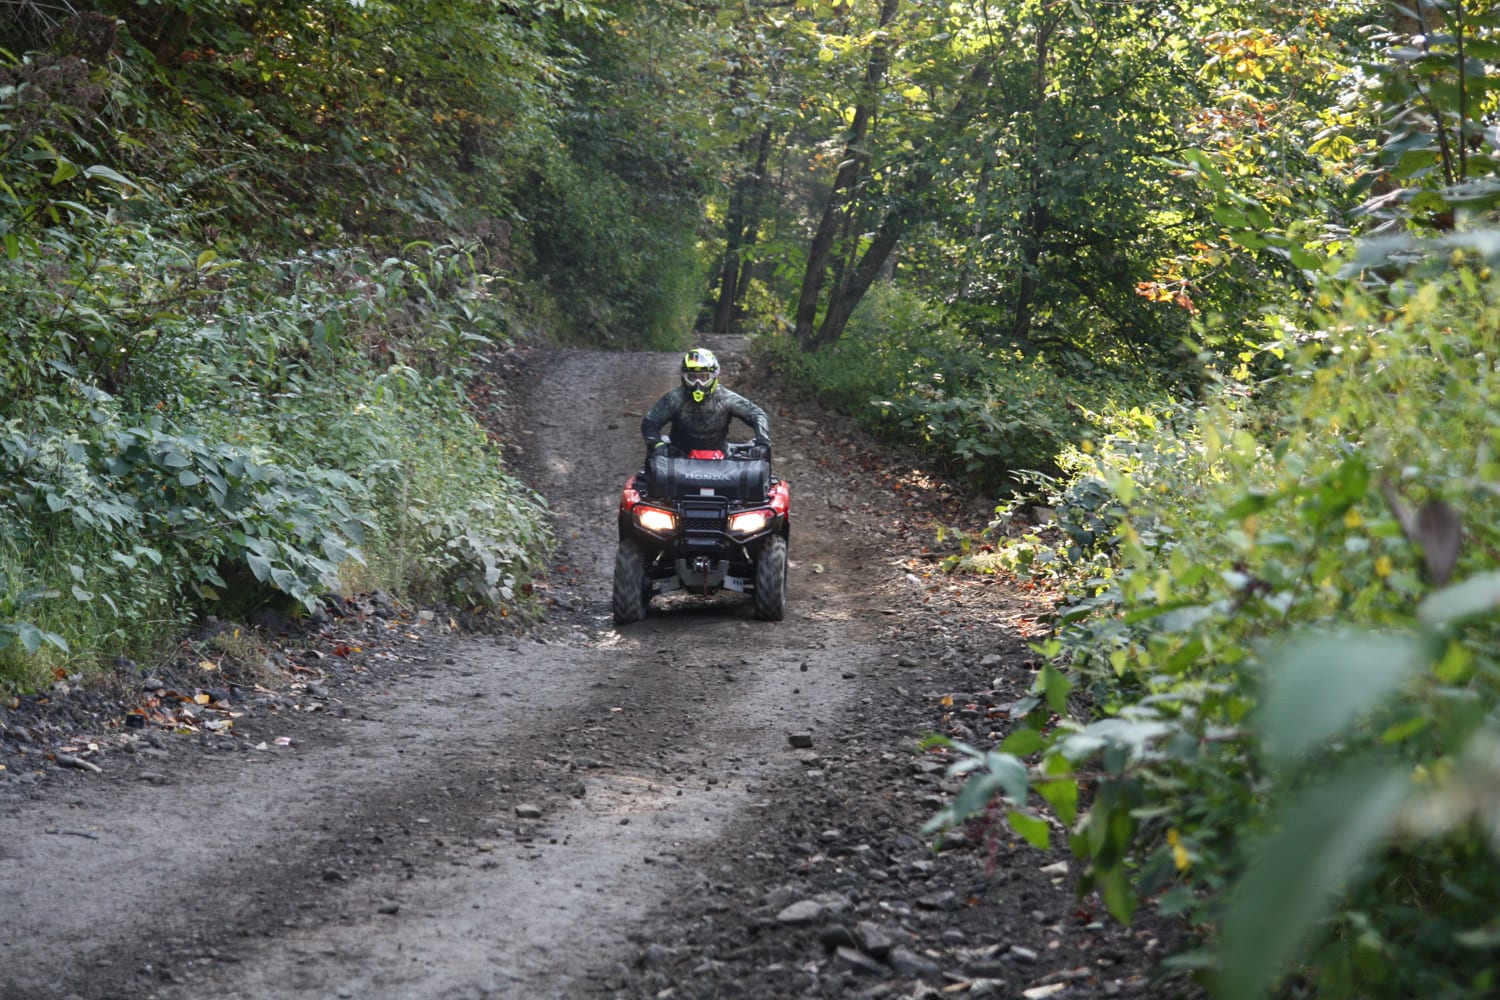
{"points": [[700, 373]]}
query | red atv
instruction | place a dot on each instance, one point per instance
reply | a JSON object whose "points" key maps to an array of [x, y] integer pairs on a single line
{"points": [[711, 521]]}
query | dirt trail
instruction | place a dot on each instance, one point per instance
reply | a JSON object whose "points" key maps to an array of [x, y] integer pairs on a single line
{"points": [[580, 811]]}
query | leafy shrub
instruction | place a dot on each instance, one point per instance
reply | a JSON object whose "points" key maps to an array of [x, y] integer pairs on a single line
{"points": [[183, 430], [1292, 651], [448, 522], [623, 271], [911, 376]]}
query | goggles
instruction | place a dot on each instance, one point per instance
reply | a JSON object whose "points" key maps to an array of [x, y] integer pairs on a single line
{"points": [[700, 379]]}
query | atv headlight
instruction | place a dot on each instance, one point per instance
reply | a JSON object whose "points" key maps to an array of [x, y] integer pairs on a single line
{"points": [[652, 519], [749, 522]]}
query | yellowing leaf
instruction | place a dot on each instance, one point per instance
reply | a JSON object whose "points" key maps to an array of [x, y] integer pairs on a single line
{"points": [[1179, 853], [201, 698], [947, 701], [207, 665]]}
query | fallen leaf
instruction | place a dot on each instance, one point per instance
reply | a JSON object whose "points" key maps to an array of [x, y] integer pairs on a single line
{"points": [[201, 698], [207, 665]]}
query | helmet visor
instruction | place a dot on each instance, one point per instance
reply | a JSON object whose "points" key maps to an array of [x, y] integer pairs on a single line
{"points": [[700, 379]]}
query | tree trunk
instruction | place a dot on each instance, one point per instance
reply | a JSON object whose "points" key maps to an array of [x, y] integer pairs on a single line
{"points": [[1031, 255], [855, 278], [858, 279], [855, 160], [740, 229], [1034, 237]]}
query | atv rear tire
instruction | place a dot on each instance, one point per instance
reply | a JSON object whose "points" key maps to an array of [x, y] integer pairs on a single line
{"points": [[632, 589], [770, 581]]}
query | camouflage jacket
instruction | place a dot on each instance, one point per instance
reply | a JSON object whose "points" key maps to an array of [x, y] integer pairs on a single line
{"points": [[702, 425]]}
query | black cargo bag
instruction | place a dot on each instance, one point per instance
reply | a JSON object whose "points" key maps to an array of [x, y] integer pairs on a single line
{"points": [[732, 479]]}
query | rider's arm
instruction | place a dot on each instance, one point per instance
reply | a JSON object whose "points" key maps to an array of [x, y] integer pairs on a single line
{"points": [[754, 417], [656, 418]]}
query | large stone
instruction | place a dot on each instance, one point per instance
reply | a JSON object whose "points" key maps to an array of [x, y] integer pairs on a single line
{"points": [[909, 963], [860, 962], [873, 939], [805, 911]]}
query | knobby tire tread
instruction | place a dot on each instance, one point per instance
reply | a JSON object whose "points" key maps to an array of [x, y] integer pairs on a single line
{"points": [[631, 589], [770, 581]]}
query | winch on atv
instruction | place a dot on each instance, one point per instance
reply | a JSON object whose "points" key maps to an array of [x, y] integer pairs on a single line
{"points": [[704, 522]]}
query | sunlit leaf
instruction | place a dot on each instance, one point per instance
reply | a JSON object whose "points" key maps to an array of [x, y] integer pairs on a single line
{"points": [[1317, 687], [1062, 796]]}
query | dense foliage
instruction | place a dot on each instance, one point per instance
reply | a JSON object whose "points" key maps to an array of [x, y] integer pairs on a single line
{"points": [[250, 251], [1270, 706]]}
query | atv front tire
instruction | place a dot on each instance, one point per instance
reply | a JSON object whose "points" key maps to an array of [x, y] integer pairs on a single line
{"points": [[632, 589], [770, 581]]}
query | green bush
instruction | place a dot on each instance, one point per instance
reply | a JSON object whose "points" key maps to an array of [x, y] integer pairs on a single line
{"points": [[1293, 651], [182, 431], [623, 270], [912, 377]]}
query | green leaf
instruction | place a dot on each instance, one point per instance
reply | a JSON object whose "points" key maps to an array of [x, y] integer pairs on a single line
{"points": [[1023, 742], [66, 171], [1032, 829], [1317, 687], [1062, 796], [1305, 260], [1056, 686], [100, 172], [259, 565], [1474, 598], [1114, 886], [1230, 217], [32, 638], [1206, 170], [1296, 873]]}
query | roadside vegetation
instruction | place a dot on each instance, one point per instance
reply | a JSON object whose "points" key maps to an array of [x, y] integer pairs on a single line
{"points": [[1201, 295], [252, 256], [1205, 298]]}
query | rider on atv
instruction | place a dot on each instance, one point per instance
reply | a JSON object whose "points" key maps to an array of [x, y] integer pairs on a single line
{"points": [[700, 411]]}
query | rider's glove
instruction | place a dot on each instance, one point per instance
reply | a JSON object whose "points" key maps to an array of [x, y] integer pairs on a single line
{"points": [[658, 444]]}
